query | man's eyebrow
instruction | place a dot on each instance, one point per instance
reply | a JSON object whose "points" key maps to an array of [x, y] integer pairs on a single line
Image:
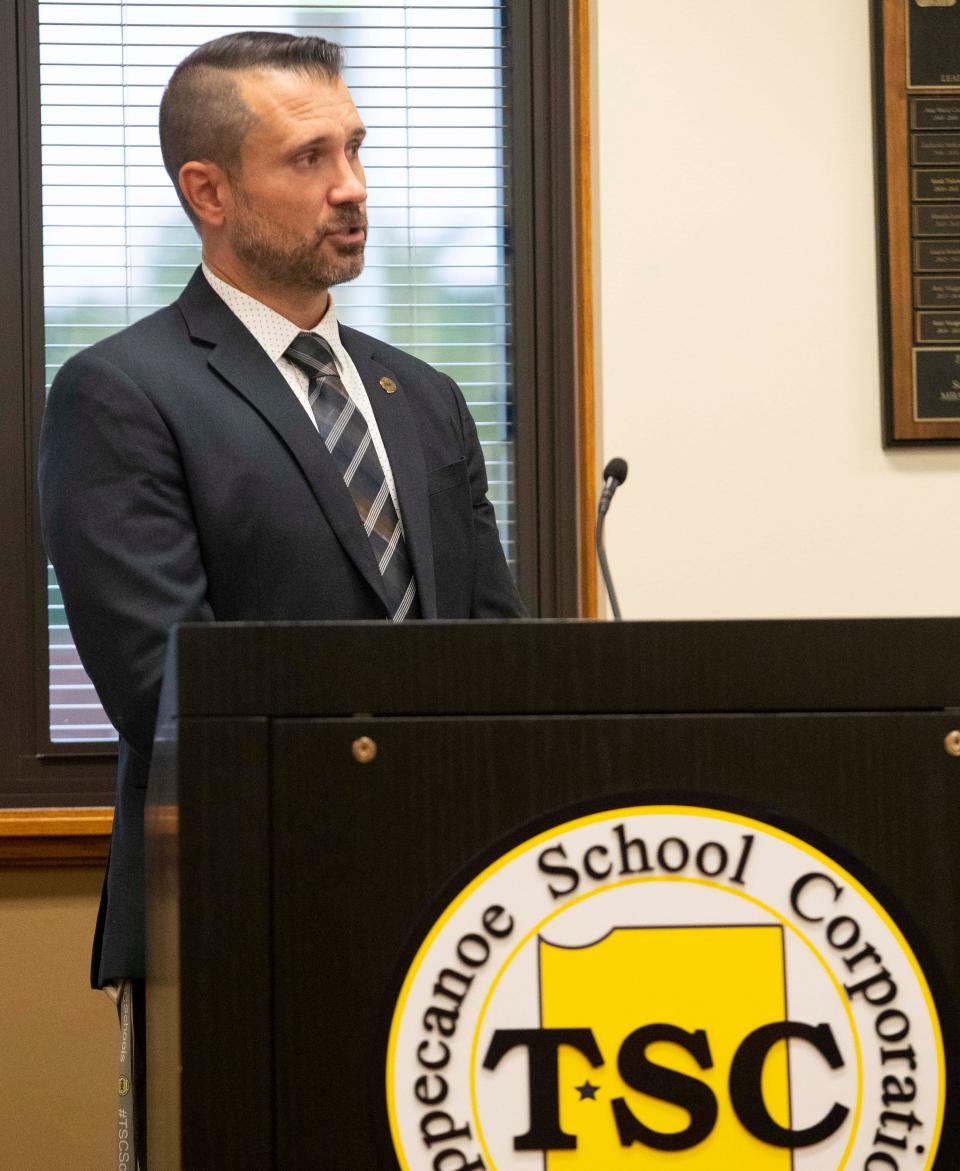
{"points": [[358, 134]]}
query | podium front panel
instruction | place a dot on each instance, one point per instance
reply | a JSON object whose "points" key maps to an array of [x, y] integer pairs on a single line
{"points": [[319, 838], [367, 855]]}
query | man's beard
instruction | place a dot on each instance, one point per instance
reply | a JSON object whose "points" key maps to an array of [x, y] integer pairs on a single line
{"points": [[283, 258]]}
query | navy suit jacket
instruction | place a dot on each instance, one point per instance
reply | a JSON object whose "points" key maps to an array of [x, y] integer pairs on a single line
{"points": [[182, 481]]}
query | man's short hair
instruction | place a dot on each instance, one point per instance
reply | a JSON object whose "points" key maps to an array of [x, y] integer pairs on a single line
{"points": [[202, 115]]}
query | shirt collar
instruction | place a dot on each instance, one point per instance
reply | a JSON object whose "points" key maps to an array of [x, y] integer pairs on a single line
{"points": [[271, 329]]}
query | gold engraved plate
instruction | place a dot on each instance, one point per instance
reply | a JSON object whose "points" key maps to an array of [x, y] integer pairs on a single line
{"points": [[936, 3]]}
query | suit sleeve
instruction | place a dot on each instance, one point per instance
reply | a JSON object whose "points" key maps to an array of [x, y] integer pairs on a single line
{"points": [[494, 590], [120, 533]]}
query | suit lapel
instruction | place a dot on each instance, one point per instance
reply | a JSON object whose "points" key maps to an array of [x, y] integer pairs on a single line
{"points": [[239, 359], [399, 433]]}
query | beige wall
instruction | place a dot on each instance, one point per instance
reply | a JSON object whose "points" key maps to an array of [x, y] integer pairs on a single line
{"points": [[58, 1039], [738, 346]]}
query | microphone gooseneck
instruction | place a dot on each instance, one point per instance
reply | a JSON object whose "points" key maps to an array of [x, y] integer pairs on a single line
{"points": [[613, 475]]}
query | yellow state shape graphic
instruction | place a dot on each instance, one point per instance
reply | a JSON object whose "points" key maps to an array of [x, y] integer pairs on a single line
{"points": [[726, 980]]}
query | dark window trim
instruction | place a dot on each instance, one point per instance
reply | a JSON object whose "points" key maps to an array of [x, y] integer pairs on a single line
{"points": [[30, 777], [13, 535], [37, 774], [545, 319]]}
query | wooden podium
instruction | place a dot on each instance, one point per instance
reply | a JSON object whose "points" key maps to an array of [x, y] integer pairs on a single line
{"points": [[317, 788]]}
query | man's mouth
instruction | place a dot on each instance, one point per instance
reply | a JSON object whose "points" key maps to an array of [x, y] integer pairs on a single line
{"points": [[347, 233]]}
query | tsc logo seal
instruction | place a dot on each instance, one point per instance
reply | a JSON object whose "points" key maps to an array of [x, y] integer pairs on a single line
{"points": [[665, 987]]}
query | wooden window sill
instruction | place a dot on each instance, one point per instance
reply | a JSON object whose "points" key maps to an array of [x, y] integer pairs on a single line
{"points": [[54, 837]]}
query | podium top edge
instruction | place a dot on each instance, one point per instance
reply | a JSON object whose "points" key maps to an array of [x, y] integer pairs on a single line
{"points": [[874, 621], [570, 666]]}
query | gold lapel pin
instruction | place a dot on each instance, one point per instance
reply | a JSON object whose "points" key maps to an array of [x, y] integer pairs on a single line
{"points": [[388, 385]]}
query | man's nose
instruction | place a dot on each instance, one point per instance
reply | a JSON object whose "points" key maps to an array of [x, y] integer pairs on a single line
{"points": [[351, 186]]}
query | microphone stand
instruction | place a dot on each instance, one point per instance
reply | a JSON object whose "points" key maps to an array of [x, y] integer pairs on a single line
{"points": [[613, 474], [604, 567]]}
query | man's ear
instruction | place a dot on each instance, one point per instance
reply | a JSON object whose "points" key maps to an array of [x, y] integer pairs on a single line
{"points": [[206, 188]]}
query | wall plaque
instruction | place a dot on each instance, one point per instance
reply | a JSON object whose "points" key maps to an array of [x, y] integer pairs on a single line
{"points": [[917, 111]]}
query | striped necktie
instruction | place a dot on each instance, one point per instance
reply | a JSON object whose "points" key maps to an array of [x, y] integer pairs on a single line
{"points": [[346, 436]]}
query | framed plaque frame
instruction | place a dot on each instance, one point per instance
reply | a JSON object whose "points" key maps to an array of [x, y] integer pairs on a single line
{"points": [[917, 123]]}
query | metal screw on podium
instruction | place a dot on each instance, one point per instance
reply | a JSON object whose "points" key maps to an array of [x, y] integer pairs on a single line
{"points": [[952, 742], [364, 749]]}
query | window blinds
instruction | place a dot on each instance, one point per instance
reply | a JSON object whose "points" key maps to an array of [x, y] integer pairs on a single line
{"points": [[429, 81]]}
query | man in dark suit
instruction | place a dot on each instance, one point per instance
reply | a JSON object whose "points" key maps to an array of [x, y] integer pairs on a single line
{"points": [[239, 455]]}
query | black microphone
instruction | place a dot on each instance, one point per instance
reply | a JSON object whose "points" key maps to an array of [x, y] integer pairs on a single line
{"points": [[613, 474]]}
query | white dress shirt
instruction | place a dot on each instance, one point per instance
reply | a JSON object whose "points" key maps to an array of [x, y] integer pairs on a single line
{"points": [[275, 333]]}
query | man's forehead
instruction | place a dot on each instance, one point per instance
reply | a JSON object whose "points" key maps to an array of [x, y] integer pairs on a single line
{"points": [[279, 99]]}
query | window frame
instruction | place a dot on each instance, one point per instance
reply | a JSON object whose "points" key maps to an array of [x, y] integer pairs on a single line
{"points": [[551, 330]]}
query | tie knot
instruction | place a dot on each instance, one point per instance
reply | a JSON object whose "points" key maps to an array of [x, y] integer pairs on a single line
{"points": [[312, 354]]}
